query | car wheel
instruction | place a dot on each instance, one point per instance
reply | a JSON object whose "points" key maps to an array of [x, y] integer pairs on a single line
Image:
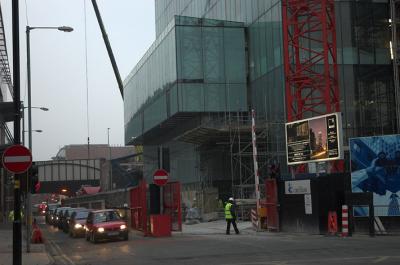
{"points": [[87, 236], [126, 237]]}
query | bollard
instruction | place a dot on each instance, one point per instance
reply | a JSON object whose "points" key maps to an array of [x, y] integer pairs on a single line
{"points": [[345, 220]]}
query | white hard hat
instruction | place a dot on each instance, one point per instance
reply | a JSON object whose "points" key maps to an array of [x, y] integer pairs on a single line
{"points": [[230, 199]]}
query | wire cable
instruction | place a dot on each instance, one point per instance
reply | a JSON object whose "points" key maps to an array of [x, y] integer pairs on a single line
{"points": [[87, 80], [26, 13]]}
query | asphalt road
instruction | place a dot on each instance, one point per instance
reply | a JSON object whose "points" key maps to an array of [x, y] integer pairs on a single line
{"points": [[268, 249]]}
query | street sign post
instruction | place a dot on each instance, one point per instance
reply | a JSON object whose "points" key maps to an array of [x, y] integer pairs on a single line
{"points": [[160, 177], [17, 159]]}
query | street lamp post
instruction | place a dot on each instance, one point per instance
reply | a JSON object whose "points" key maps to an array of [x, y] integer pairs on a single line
{"points": [[28, 62], [109, 158]]}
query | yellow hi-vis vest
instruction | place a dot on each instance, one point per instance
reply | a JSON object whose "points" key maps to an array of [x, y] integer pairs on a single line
{"points": [[228, 214]]}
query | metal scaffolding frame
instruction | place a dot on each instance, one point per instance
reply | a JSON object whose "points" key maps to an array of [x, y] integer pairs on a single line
{"points": [[4, 62]]}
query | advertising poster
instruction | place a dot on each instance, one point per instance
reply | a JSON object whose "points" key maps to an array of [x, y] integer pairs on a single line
{"points": [[315, 139], [375, 167]]}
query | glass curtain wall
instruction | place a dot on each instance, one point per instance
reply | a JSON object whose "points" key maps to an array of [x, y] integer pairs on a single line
{"points": [[365, 68], [196, 65]]}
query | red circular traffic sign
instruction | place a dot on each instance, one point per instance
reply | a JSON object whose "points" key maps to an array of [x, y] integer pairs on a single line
{"points": [[17, 159], [160, 177]]}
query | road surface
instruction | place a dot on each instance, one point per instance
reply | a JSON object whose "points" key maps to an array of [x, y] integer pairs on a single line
{"points": [[263, 248]]}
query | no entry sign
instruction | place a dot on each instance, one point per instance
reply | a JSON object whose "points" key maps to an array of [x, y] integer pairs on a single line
{"points": [[160, 177], [17, 159]]}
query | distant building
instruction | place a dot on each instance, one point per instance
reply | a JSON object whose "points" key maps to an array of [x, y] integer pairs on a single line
{"points": [[77, 165], [95, 151]]}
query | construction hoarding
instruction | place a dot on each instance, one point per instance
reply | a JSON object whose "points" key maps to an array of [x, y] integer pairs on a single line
{"points": [[375, 167]]}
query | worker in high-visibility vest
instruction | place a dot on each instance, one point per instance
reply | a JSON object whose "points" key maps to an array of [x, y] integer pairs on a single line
{"points": [[230, 216]]}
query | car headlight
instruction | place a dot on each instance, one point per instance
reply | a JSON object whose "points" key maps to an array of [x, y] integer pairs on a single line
{"points": [[122, 227], [100, 229], [52, 218], [77, 226], [56, 218]]}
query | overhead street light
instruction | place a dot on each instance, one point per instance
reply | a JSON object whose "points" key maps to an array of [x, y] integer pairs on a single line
{"points": [[38, 131], [23, 119]]}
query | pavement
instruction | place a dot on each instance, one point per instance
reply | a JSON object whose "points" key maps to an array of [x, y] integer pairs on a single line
{"points": [[37, 256], [215, 227]]}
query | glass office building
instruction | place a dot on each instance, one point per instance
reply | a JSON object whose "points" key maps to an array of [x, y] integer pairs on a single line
{"points": [[220, 58]]}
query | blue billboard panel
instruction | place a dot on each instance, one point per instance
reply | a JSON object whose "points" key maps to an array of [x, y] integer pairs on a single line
{"points": [[375, 167]]}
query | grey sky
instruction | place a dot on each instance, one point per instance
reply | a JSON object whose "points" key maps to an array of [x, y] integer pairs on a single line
{"points": [[58, 67]]}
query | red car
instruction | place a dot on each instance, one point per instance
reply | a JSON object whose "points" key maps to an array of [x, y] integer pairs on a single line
{"points": [[105, 224]]}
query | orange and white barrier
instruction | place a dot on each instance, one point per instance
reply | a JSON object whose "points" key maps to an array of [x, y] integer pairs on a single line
{"points": [[332, 223], [345, 220], [254, 218]]}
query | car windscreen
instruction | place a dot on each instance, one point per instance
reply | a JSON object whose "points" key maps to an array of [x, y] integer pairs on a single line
{"points": [[52, 206], [81, 215], [106, 217]]}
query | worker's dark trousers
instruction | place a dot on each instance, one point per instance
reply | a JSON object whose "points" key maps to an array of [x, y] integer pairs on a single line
{"points": [[228, 226]]}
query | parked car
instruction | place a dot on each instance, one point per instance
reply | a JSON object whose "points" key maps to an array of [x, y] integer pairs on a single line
{"points": [[105, 224], [66, 218], [77, 223]]}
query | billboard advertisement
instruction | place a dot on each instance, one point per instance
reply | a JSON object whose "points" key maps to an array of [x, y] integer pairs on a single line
{"points": [[314, 140], [375, 167]]}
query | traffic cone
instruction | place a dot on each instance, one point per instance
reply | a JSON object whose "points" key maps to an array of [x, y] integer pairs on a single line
{"points": [[36, 237]]}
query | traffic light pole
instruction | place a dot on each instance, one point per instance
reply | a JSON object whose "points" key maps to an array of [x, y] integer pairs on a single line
{"points": [[28, 214], [28, 193], [17, 238]]}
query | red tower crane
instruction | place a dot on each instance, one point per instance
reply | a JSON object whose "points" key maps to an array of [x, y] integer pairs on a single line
{"points": [[309, 37], [310, 58]]}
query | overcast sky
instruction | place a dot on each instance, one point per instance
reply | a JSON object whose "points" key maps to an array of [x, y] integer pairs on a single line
{"points": [[58, 67]]}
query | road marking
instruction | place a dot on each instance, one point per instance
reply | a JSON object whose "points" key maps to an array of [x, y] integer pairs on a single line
{"points": [[59, 255], [378, 260]]}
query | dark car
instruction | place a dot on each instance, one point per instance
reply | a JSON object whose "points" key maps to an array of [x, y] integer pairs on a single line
{"points": [[57, 216], [77, 223], [62, 217], [66, 218], [49, 211], [105, 224]]}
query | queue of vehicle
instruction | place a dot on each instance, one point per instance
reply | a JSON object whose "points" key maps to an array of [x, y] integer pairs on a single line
{"points": [[94, 225]]}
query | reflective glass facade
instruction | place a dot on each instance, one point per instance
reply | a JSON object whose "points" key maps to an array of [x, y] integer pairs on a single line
{"points": [[367, 98], [196, 65]]}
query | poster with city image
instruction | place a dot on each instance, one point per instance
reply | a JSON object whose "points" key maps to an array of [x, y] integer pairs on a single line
{"points": [[314, 139], [375, 167]]}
